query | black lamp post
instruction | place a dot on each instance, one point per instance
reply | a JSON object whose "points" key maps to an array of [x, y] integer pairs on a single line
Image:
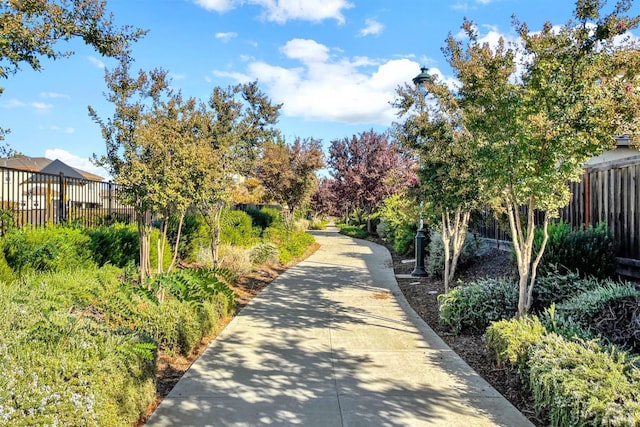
{"points": [[419, 270]]}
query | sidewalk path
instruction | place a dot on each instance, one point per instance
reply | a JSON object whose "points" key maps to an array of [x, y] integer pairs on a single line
{"points": [[332, 342]]}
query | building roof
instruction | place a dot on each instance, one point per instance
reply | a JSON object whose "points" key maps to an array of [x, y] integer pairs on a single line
{"points": [[42, 164]]}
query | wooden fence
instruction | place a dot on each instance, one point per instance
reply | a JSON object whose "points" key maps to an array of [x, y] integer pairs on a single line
{"points": [[40, 199], [608, 192]]}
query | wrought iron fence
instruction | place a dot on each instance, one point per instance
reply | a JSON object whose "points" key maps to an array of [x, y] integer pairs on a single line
{"points": [[40, 199]]}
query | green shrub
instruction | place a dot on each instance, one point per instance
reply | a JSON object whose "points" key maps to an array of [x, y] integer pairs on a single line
{"points": [[57, 354], [398, 223], [564, 325], [6, 273], [318, 224], [588, 251], [511, 340], [266, 217], [46, 249], [356, 231], [294, 246], [474, 306], [579, 384], [611, 311], [556, 287], [193, 235], [583, 307], [195, 300], [115, 244], [404, 238], [435, 261], [236, 228], [264, 253]]}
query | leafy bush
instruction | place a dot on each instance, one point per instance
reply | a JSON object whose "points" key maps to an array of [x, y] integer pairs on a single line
{"points": [[612, 310], [435, 261], [556, 287], [584, 306], [318, 224], [6, 273], [46, 249], [474, 306], [266, 217], [294, 246], [264, 253], [511, 340], [404, 239], [57, 354], [589, 252], [398, 223], [193, 236], [116, 244], [564, 326], [353, 231], [579, 384], [236, 228]]}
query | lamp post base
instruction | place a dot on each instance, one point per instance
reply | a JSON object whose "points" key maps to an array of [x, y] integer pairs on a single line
{"points": [[419, 270]]}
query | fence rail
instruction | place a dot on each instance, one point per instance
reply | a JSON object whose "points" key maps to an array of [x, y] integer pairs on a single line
{"points": [[40, 199], [609, 193]]}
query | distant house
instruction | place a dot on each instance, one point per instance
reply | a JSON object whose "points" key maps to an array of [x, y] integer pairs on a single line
{"points": [[40, 164], [621, 153], [35, 186]]}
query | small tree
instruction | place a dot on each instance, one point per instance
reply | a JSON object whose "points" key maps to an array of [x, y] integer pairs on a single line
{"points": [[288, 172], [433, 127], [140, 153], [534, 129], [367, 168], [240, 120]]}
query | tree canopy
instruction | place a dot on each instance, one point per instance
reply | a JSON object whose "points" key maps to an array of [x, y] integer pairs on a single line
{"points": [[367, 168], [539, 109], [288, 172]]}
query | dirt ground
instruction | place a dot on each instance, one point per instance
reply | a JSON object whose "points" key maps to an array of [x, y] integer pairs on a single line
{"points": [[421, 293]]}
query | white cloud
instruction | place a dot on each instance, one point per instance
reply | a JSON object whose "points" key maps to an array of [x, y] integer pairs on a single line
{"points": [[217, 5], [53, 95], [95, 61], [328, 87], [373, 27], [226, 37], [75, 161], [16, 103], [41, 106], [305, 50], [282, 11]]}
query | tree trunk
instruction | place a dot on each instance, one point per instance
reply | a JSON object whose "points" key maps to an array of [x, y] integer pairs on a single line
{"points": [[177, 242], [213, 215], [144, 236], [523, 247], [454, 233]]}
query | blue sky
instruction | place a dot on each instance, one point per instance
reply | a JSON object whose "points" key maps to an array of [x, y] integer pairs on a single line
{"points": [[334, 64]]}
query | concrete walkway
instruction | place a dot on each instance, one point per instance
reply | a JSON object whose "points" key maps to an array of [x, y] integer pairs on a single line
{"points": [[333, 342]]}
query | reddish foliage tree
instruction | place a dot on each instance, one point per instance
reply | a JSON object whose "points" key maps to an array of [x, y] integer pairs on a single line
{"points": [[367, 168]]}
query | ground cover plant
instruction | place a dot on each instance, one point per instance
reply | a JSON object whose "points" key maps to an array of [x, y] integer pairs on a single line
{"points": [[70, 325]]}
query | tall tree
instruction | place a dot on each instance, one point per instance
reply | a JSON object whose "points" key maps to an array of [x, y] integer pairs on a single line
{"points": [[241, 119], [288, 172], [142, 146], [323, 200], [535, 123], [433, 127], [31, 29], [366, 169]]}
